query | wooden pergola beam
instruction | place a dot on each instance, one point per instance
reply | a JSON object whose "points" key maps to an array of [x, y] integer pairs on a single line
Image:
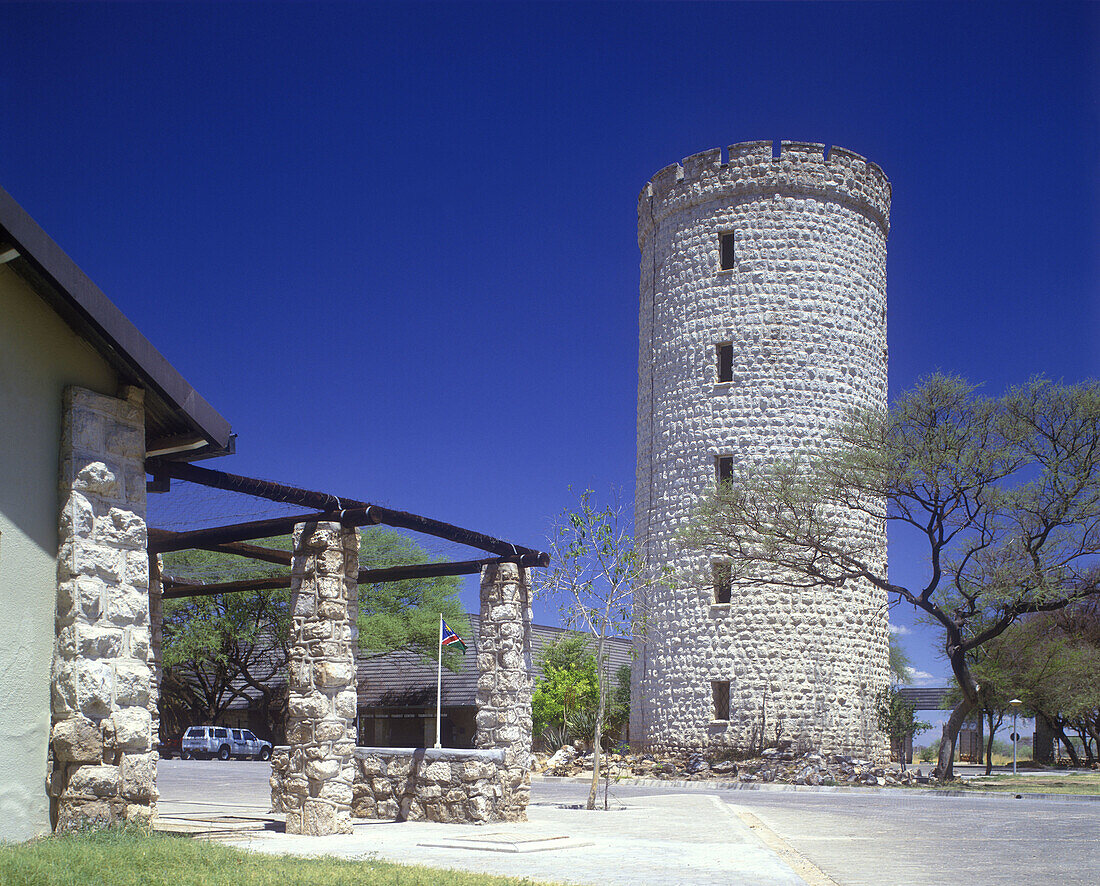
{"points": [[173, 589], [343, 510], [239, 548], [162, 541]]}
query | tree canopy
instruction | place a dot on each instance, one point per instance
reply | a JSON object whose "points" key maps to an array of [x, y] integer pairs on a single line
{"points": [[566, 696], [405, 614], [1051, 662], [1003, 493], [568, 682]]}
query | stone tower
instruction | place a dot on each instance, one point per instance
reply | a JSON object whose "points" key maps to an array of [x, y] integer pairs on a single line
{"points": [[762, 324]]}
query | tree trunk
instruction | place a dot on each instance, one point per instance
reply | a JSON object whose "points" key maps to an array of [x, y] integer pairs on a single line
{"points": [[1060, 731], [989, 745], [945, 761], [1092, 728], [601, 686], [1082, 731]]}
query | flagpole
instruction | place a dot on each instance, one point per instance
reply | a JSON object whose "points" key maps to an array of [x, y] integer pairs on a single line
{"points": [[439, 684]]}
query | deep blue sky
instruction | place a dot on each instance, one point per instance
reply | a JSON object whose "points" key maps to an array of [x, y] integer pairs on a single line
{"points": [[395, 245]]}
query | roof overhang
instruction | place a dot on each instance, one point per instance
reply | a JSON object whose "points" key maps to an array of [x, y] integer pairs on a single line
{"points": [[179, 423]]}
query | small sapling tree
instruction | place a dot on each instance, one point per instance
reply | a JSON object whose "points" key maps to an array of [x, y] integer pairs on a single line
{"points": [[595, 578], [897, 718]]}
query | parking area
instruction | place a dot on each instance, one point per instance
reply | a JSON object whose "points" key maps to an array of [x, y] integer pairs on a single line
{"points": [[196, 787]]}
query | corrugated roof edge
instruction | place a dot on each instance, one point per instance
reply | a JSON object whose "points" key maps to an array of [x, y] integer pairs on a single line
{"points": [[87, 309]]}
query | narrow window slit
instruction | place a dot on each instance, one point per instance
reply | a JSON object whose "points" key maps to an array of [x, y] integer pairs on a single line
{"points": [[727, 257], [725, 468], [723, 582], [720, 690], [725, 361]]}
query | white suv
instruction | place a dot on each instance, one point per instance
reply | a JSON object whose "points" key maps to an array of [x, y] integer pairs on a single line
{"points": [[223, 743]]}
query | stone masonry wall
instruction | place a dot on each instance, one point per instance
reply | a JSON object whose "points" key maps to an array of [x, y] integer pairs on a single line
{"points": [[414, 784], [103, 758], [804, 308], [504, 680], [432, 784], [156, 643], [315, 790]]}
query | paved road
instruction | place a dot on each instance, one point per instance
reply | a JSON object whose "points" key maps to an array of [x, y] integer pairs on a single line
{"points": [[193, 786], [676, 835], [916, 839]]}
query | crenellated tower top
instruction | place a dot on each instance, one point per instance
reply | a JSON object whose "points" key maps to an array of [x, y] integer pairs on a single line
{"points": [[751, 169]]}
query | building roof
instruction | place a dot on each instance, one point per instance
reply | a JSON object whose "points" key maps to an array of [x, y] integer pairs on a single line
{"points": [[177, 417], [404, 679], [924, 698]]}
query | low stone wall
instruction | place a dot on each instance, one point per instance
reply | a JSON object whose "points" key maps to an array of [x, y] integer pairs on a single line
{"points": [[417, 784], [321, 774]]}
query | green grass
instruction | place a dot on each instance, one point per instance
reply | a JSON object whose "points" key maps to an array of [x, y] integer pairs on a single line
{"points": [[1022, 783], [137, 858]]}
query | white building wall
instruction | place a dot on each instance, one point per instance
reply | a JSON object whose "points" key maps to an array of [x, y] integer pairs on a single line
{"points": [[39, 356], [805, 311]]}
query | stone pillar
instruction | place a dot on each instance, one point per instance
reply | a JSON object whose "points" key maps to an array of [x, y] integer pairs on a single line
{"points": [[101, 742], [321, 704], [504, 680], [156, 644]]}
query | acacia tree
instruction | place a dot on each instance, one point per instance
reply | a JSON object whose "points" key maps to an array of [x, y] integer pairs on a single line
{"points": [[595, 577], [1004, 495], [224, 647], [1051, 661], [405, 614], [993, 701]]}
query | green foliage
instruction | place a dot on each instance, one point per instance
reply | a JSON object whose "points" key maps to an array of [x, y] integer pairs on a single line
{"points": [[618, 703], [405, 614], [897, 718], [900, 665], [1050, 661], [566, 697], [216, 646], [568, 684]]}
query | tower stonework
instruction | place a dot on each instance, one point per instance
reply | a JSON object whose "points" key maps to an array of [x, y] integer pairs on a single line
{"points": [[762, 324]]}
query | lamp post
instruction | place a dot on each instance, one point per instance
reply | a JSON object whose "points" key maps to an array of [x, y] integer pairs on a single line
{"points": [[1015, 707]]}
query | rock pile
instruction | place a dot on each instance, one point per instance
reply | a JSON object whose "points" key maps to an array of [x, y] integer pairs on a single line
{"points": [[779, 766]]}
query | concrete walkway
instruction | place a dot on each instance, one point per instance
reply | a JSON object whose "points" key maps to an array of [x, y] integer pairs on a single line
{"points": [[673, 839], [695, 833]]}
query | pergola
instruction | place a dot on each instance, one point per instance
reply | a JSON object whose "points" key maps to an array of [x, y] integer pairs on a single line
{"points": [[315, 779], [234, 538]]}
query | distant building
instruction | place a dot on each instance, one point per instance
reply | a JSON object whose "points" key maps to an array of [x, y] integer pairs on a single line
{"points": [[397, 693]]}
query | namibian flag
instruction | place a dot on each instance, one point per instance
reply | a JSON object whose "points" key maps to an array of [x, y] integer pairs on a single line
{"points": [[450, 638]]}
